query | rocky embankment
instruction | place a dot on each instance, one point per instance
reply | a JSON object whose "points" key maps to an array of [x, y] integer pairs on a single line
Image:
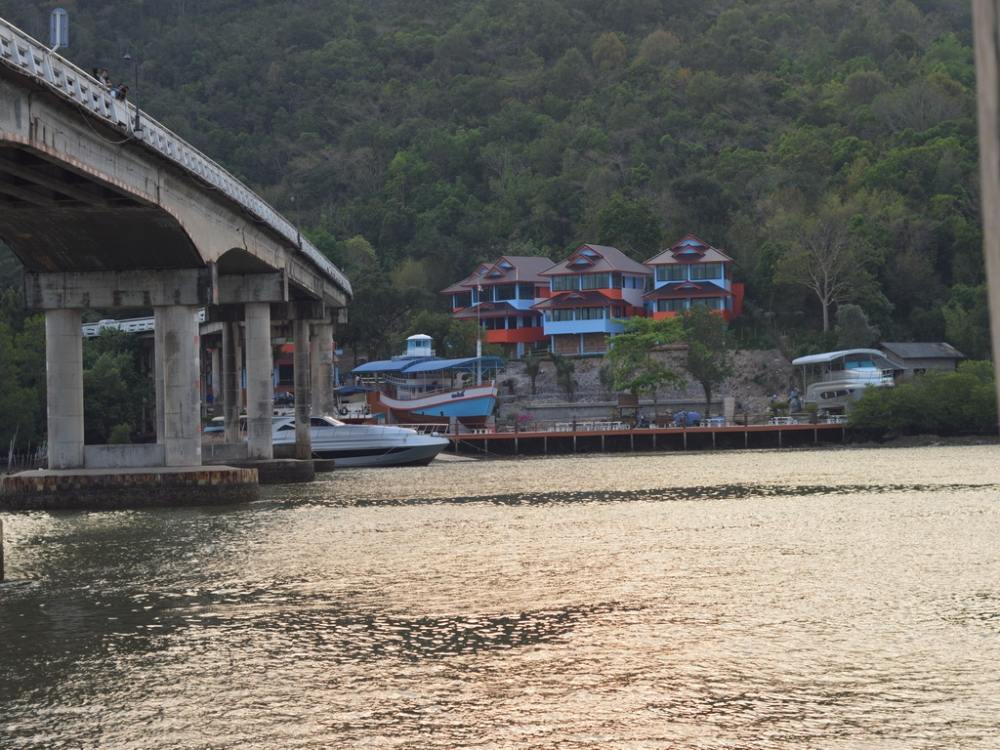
{"points": [[757, 374]]}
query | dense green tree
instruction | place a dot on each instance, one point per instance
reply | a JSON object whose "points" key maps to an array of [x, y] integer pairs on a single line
{"points": [[708, 358], [438, 133], [853, 329], [632, 359]]}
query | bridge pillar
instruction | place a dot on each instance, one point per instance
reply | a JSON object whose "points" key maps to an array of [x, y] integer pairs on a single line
{"points": [[216, 374], [321, 358], [158, 372], [303, 442], [260, 380], [231, 381], [64, 383], [181, 385]]}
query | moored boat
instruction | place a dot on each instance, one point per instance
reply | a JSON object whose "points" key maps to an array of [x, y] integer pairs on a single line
{"points": [[833, 380], [421, 387], [361, 445]]}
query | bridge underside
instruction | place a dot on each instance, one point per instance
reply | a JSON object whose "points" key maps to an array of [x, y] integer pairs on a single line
{"points": [[56, 219]]}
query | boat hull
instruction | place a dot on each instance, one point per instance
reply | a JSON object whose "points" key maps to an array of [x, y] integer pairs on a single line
{"points": [[414, 455], [470, 404], [351, 445]]}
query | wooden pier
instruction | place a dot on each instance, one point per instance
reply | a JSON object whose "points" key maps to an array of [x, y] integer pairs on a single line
{"points": [[645, 439]]}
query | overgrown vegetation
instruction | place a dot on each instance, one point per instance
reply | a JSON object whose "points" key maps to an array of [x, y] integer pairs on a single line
{"points": [[413, 139], [961, 402]]}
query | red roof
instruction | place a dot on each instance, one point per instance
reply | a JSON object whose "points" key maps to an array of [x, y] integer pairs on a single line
{"points": [[595, 259], [689, 249], [589, 298], [507, 269], [688, 290]]}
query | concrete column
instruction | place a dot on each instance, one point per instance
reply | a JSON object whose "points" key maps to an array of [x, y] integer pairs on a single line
{"points": [[181, 386], [216, 375], [241, 400], [321, 358], [64, 383], [303, 443], [230, 382], [158, 371], [260, 371]]}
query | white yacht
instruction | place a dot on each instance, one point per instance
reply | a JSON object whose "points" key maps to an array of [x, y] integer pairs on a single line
{"points": [[354, 445], [832, 380]]}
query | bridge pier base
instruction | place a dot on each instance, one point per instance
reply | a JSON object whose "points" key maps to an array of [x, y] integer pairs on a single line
{"points": [[260, 370], [64, 383]]}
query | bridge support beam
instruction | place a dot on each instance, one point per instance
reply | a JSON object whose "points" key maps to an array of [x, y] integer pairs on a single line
{"points": [[231, 381], [64, 382], [260, 374], [181, 381], [321, 358], [303, 442]]}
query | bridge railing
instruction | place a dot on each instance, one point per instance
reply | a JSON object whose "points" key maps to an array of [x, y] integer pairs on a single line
{"points": [[30, 57]]}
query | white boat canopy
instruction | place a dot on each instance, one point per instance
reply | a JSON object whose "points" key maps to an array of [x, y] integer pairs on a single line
{"points": [[827, 357]]}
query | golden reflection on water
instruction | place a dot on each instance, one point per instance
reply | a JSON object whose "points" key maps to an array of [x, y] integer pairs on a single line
{"points": [[837, 598]]}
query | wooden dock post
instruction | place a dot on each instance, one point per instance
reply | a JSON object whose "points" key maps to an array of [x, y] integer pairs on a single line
{"points": [[985, 26], [1, 551]]}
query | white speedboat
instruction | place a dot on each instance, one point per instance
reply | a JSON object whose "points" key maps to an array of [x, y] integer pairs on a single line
{"points": [[353, 445]]}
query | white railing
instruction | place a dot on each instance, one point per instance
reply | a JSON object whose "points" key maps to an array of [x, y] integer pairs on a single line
{"points": [[30, 57], [128, 325]]}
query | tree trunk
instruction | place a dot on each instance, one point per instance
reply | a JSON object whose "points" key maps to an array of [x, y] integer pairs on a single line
{"points": [[708, 400], [826, 315]]}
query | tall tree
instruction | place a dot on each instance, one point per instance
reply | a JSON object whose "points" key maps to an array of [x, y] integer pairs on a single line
{"points": [[708, 357], [825, 256]]}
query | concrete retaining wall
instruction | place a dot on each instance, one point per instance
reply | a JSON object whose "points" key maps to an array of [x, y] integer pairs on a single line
{"points": [[123, 456], [220, 453]]}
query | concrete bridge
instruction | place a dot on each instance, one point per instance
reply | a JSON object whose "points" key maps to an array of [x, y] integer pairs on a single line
{"points": [[108, 209]]}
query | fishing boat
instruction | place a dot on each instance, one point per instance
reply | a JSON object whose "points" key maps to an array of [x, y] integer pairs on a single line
{"points": [[423, 388], [362, 445], [833, 380]]}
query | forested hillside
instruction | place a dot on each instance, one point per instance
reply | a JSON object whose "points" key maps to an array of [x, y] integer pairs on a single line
{"points": [[413, 138]]}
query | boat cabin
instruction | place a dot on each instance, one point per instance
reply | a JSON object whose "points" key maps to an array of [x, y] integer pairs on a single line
{"points": [[832, 380]]}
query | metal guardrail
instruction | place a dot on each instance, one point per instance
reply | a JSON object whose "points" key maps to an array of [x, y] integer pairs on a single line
{"points": [[30, 57], [128, 325]]}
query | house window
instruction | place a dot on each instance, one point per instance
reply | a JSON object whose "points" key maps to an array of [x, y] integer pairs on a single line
{"points": [[504, 291], [594, 281], [525, 291], [671, 305], [706, 271], [286, 375], [565, 283], [461, 300], [671, 273], [593, 313], [713, 303]]}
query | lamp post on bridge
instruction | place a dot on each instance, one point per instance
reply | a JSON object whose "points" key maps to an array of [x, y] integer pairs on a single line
{"points": [[127, 57]]}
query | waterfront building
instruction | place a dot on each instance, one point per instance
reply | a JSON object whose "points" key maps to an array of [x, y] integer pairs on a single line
{"points": [[692, 272], [500, 297], [592, 292]]}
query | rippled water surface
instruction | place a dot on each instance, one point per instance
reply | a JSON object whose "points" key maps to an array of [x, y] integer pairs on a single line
{"points": [[834, 599]]}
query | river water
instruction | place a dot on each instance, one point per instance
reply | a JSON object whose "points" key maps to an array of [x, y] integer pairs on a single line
{"points": [[845, 598]]}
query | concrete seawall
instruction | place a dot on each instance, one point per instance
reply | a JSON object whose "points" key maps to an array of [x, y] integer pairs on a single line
{"points": [[96, 489]]}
